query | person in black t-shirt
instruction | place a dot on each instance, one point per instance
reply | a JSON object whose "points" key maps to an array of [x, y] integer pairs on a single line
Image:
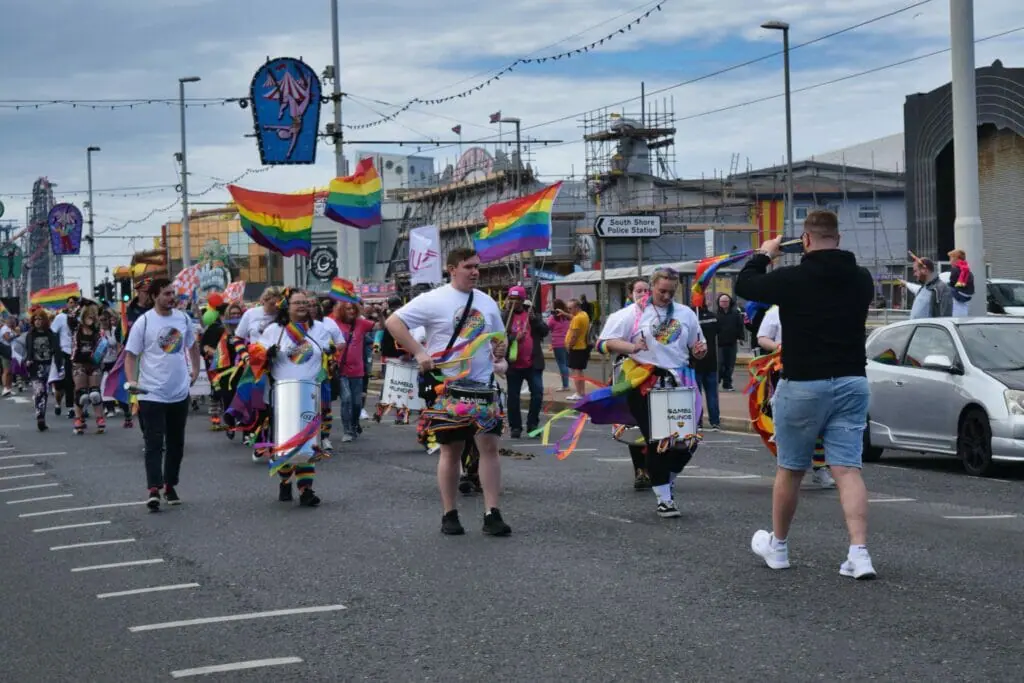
{"points": [[86, 368]]}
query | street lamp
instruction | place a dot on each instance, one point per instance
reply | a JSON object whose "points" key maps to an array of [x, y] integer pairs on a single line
{"points": [[519, 151], [790, 209], [186, 247], [92, 241]]}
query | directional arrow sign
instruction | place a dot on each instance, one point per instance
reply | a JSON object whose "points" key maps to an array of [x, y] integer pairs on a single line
{"points": [[628, 226]]}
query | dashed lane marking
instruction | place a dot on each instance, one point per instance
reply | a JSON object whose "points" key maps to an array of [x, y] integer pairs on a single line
{"points": [[70, 526], [81, 509], [116, 565], [719, 476], [611, 517], [17, 467], [892, 500], [979, 516], [26, 488], [142, 591], [93, 544], [235, 666], [32, 455], [23, 476], [235, 617], [41, 498]]}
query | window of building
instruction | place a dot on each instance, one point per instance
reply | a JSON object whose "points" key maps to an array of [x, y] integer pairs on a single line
{"points": [[801, 212], [834, 208], [369, 259], [868, 213]]}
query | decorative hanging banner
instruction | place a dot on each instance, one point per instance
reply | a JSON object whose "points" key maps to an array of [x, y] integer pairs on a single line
{"points": [[65, 221], [285, 95], [11, 261]]}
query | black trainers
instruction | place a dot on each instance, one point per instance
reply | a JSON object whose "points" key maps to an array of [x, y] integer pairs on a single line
{"points": [[641, 482], [494, 525], [284, 492], [450, 524], [668, 509], [41, 425], [308, 498], [153, 502], [171, 496]]}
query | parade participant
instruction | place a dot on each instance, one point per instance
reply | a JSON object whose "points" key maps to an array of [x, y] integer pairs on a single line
{"points": [[823, 304], [332, 385], [161, 377], [458, 312], [64, 325], [255, 320], [7, 335], [142, 302], [228, 349], [43, 349], [296, 348], [526, 330], [209, 343], [351, 362], [86, 369], [659, 337]]}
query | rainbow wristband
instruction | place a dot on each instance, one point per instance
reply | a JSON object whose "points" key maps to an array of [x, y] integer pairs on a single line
{"points": [[602, 347]]}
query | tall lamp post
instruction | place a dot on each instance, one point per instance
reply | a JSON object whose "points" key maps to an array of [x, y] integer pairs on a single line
{"points": [[92, 240], [790, 209], [186, 246]]}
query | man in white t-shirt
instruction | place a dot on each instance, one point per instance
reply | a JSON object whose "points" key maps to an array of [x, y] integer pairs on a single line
{"points": [[661, 334], [769, 338], [6, 338], [64, 324], [440, 311], [157, 369]]}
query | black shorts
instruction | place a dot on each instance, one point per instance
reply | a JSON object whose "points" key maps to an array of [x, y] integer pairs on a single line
{"points": [[447, 436], [578, 359]]}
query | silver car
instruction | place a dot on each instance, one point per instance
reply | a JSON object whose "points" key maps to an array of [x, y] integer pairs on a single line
{"points": [[953, 386]]}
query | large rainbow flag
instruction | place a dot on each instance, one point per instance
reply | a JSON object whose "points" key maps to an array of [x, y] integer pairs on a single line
{"points": [[55, 298], [279, 222], [517, 225], [355, 200]]}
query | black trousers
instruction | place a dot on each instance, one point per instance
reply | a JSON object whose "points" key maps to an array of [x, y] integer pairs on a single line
{"points": [[165, 440], [658, 465]]}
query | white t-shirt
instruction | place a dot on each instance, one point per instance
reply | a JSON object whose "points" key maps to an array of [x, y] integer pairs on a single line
{"points": [[439, 311], [63, 330], [771, 326], [161, 342], [297, 361], [337, 336], [253, 323], [668, 341], [6, 335]]}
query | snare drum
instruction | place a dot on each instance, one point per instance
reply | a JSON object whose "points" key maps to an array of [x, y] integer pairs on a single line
{"points": [[471, 401], [673, 412]]}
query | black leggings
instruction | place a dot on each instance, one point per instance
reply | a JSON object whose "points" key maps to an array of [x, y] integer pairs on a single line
{"points": [[659, 465]]}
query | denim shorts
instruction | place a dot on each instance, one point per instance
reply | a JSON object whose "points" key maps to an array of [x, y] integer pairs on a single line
{"points": [[836, 409]]}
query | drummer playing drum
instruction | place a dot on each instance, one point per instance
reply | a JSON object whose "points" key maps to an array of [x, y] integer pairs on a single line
{"points": [[470, 408]]}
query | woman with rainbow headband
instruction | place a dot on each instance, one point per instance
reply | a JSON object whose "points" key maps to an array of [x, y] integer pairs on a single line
{"points": [[294, 347], [657, 335]]}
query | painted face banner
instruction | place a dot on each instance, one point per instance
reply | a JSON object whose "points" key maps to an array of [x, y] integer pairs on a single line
{"points": [[285, 94], [65, 221]]}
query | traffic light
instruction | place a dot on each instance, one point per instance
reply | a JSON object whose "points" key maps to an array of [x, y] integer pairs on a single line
{"points": [[126, 288], [97, 292]]}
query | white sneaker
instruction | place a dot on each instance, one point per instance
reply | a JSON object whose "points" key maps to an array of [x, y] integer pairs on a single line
{"points": [[573, 397], [775, 558], [858, 566], [347, 438], [823, 478], [363, 415], [326, 444]]}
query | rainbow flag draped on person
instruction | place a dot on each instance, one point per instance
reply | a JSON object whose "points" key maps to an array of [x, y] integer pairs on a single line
{"points": [[521, 224], [355, 199], [279, 222], [55, 298]]}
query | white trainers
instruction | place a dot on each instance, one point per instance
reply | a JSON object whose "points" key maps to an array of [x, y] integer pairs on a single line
{"points": [[775, 558], [573, 397], [823, 478], [363, 415], [858, 566]]}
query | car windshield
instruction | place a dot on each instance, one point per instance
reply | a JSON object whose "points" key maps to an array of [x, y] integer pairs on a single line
{"points": [[1008, 293], [994, 347]]}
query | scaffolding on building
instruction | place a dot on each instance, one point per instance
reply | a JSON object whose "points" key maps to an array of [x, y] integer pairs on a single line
{"points": [[43, 267]]}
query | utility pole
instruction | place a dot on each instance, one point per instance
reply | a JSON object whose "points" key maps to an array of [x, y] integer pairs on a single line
{"points": [[339, 157], [92, 239], [186, 245]]}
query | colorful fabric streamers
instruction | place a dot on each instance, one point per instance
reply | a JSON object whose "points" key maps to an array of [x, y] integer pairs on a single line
{"points": [[517, 225], [55, 298], [765, 372], [344, 291], [355, 199], [279, 222], [707, 267], [292, 446], [116, 378]]}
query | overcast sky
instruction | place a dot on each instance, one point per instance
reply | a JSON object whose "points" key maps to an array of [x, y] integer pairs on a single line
{"points": [[395, 50]]}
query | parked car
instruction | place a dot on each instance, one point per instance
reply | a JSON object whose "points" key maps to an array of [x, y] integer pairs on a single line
{"points": [[953, 386], [1005, 296]]}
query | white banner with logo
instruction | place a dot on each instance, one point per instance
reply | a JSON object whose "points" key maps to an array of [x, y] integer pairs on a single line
{"points": [[425, 255]]}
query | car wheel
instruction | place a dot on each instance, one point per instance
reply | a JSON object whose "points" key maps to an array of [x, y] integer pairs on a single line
{"points": [[974, 443], [869, 453]]}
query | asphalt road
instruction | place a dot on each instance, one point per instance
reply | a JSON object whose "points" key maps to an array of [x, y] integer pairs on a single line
{"points": [[591, 586]]}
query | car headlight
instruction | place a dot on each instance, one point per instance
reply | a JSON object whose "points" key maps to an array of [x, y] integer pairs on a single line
{"points": [[1014, 401]]}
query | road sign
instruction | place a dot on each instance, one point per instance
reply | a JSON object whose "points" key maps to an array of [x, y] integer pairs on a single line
{"points": [[628, 226], [1, 209]]}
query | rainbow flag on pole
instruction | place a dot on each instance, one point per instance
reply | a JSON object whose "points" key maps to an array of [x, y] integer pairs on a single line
{"points": [[521, 224], [55, 298], [279, 222], [355, 200]]}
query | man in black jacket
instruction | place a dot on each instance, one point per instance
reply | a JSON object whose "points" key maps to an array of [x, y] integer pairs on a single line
{"points": [[823, 305], [730, 332]]}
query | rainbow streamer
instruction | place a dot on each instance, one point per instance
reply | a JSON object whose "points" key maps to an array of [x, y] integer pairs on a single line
{"points": [[708, 267], [55, 298], [355, 199], [764, 373]]}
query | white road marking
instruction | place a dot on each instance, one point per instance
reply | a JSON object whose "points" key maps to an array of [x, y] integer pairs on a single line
{"points": [[235, 617], [69, 526], [744, 448], [892, 500], [36, 500], [81, 509], [93, 544], [115, 565], [235, 666], [141, 591], [23, 476], [707, 440], [16, 467], [11, 448], [613, 459], [612, 518], [25, 488], [979, 516], [32, 455], [720, 476]]}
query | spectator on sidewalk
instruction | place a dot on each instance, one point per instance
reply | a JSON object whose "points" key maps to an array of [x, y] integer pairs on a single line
{"points": [[526, 330], [935, 298], [558, 324], [579, 349], [706, 368], [730, 332]]}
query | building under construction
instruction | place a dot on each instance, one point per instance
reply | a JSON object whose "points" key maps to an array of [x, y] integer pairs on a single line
{"points": [[44, 269]]}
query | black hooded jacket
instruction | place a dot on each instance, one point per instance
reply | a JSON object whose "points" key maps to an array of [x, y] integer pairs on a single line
{"points": [[823, 307]]}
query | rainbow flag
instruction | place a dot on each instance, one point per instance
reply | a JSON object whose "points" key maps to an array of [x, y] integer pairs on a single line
{"points": [[344, 291], [55, 298], [517, 225], [707, 267], [355, 200], [279, 222]]}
